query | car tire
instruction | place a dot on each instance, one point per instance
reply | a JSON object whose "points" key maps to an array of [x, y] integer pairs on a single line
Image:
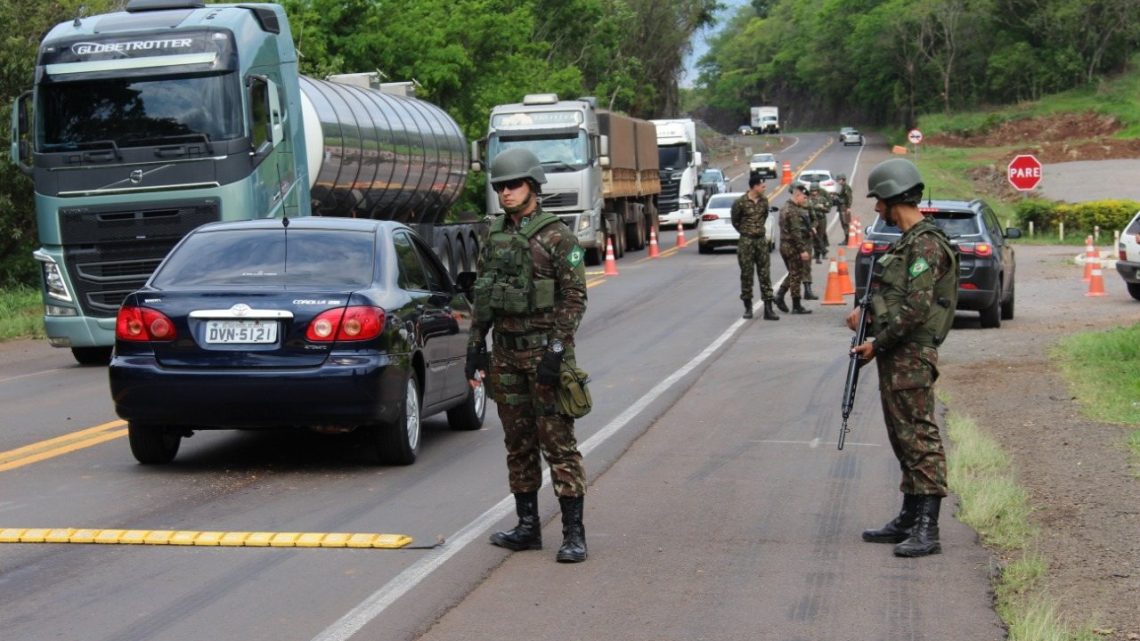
{"points": [[1134, 290], [153, 444], [468, 416], [91, 355], [704, 249], [991, 316], [398, 443], [1007, 306]]}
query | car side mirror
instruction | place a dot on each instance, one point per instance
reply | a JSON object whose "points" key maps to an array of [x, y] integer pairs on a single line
{"points": [[772, 209], [465, 282], [1012, 232]]}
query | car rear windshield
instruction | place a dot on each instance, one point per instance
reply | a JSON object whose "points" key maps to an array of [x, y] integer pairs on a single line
{"points": [[271, 258], [763, 158], [954, 223], [722, 202]]}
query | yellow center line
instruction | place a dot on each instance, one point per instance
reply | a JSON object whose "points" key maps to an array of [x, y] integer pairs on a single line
{"points": [[208, 539], [61, 445]]}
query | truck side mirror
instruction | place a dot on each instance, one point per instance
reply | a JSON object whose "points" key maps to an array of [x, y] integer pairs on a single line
{"points": [[697, 160], [21, 150], [476, 155], [604, 150]]}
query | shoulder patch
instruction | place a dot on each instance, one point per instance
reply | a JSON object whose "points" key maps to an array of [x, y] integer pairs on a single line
{"points": [[918, 266], [575, 256]]}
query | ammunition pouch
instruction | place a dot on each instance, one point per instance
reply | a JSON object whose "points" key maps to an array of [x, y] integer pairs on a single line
{"points": [[573, 394]]}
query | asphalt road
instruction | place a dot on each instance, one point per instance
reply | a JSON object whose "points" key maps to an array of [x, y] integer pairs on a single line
{"points": [[719, 507]]}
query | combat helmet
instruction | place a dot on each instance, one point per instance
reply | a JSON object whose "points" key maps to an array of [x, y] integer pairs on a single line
{"points": [[517, 163], [895, 180]]}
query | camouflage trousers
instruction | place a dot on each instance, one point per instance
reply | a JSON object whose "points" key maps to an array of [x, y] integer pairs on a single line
{"points": [[819, 222], [796, 269], [752, 254], [532, 425], [844, 225], [906, 384]]}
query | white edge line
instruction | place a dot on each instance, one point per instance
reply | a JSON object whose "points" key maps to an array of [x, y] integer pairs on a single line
{"points": [[375, 604]]}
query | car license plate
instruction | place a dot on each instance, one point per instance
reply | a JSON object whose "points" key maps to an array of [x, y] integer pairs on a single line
{"points": [[226, 332]]}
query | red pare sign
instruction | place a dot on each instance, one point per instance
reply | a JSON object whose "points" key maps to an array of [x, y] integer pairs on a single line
{"points": [[1024, 172]]}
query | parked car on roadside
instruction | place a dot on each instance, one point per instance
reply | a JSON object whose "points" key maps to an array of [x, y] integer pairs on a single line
{"points": [[1128, 256], [986, 261], [764, 164], [745, 130], [712, 181], [332, 324], [822, 176], [716, 230]]}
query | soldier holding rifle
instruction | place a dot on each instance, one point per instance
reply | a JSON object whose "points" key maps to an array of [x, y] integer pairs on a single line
{"points": [[912, 309]]}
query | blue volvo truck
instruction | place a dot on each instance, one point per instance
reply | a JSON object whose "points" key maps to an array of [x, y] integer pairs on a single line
{"points": [[145, 123]]}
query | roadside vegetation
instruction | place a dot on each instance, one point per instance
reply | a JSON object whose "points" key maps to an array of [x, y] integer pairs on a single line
{"points": [[21, 312], [1103, 371]]}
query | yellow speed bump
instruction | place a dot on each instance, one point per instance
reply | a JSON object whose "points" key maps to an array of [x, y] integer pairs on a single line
{"points": [[207, 539]]}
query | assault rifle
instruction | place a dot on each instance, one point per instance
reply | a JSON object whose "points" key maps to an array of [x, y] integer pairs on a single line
{"points": [[856, 363]]}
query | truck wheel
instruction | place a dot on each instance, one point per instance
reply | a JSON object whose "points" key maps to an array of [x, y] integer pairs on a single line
{"points": [[397, 443], [153, 444], [1134, 290], [469, 415], [593, 257], [91, 355]]}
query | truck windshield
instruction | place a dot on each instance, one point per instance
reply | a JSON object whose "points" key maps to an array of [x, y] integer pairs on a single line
{"points": [[673, 156], [133, 112], [561, 152]]}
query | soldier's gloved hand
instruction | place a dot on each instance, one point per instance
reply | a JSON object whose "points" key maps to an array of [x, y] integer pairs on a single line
{"points": [[550, 368], [476, 360]]}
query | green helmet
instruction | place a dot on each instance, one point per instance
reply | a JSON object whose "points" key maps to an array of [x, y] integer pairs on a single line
{"points": [[517, 163], [841, 177], [893, 178], [814, 186]]}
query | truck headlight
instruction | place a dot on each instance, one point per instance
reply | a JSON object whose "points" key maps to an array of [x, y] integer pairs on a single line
{"points": [[583, 222], [53, 280]]}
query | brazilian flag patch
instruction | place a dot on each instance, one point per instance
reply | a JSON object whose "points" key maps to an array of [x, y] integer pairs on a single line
{"points": [[575, 257], [918, 266]]}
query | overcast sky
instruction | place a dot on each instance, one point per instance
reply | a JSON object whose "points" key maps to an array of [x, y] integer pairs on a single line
{"points": [[700, 44]]}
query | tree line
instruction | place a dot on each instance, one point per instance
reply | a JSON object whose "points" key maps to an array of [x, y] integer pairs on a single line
{"points": [[464, 55], [887, 61]]}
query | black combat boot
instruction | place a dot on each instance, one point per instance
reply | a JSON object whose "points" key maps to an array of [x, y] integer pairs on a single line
{"points": [[527, 535], [780, 303], [923, 539], [899, 528], [807, 293], [747, 308], [769, 313], [573, 548], [797, 308]]}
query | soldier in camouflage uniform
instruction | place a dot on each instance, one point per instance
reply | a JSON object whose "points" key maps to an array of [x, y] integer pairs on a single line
{"points": [[809, 222], [531, 289], [795, 248], [749, 213], [915, 291], [819, 202], [843, 202]]}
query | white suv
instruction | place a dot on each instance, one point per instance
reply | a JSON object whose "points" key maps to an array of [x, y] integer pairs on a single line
{"points": [[1128, 256], [763, 164]]}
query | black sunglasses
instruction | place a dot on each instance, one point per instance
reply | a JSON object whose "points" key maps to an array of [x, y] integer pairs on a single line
{"points": [[508, 184]]}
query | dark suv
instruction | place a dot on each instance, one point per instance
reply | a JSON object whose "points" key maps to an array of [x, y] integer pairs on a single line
{"points": [[985, 257]]}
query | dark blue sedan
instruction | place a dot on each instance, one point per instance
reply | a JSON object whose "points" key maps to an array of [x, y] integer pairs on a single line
{"points": [[334, 324]]}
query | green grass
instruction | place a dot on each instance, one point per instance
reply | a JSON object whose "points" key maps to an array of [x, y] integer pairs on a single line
{"points": [[1133, 445], [1103, 370], [21, 313], [998, 509]]}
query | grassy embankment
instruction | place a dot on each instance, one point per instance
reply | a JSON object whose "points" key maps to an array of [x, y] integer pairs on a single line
{"points": [[980, 472], [21, 313]]}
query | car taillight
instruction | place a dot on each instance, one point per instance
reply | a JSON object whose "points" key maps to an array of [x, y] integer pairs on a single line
{"points": [[710, 217], [967, 286], [983, 250], [143, 324], [867, 248], [1122, 255], [356, 323]]}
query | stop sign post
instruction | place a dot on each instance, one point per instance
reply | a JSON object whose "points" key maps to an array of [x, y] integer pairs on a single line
{"points": [[1024, 172]]}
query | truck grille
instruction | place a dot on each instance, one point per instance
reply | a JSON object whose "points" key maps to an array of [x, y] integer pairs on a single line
{"points": [[562, 199], [110, 252], [670, 197]]}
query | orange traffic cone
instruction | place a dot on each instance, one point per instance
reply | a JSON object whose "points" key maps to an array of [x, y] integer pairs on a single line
{"points": [[680, 234], [833, 295], [845, 284], [1096, 280], [1091, 255], [852, 234], [858, 233], [654, 252], [611, 262]]}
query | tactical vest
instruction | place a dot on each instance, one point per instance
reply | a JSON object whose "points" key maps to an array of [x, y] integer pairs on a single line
{"points": [[893, 275], [507, 286]]}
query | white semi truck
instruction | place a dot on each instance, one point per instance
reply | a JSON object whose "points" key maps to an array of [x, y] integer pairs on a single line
{"points": [[680, 165]]}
